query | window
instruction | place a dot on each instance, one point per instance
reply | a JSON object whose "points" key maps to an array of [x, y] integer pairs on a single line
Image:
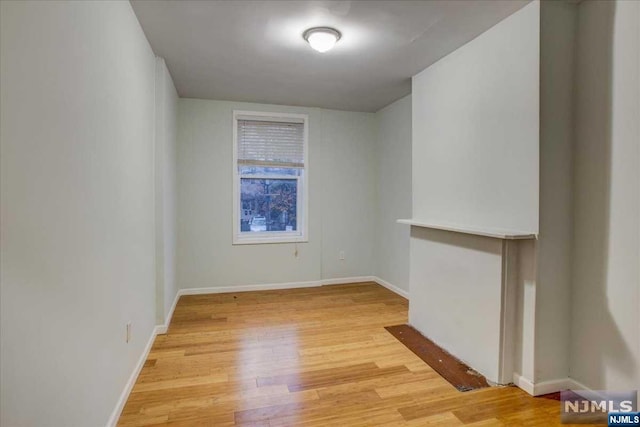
{"points": [[270, 177]]}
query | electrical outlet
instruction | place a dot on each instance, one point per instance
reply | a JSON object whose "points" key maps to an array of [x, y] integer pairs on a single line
{"points": [[341, 255], [128, 332]]}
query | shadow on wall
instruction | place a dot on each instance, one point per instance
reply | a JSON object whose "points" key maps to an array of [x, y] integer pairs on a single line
{"points": [[597, 340]]}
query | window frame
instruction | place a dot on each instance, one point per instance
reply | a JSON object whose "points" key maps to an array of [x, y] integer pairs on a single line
{"points": [[302, 192]]}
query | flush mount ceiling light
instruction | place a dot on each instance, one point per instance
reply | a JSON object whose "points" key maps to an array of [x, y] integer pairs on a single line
{"points": [[322, 39]]}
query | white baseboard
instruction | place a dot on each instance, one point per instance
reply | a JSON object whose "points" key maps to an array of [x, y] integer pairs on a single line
{"points": [[345, 280], [162, 329], [576, 385], [523, 383], [115, 415], [248, 288], [291, 285], [551, 386], [376, 279], [546, 387], [392, 288]]}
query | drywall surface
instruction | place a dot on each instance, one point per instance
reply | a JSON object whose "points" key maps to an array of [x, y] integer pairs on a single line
{"points": [[475, 130], [456, 295], [553, 259], [393, 193], [525, 318], [341, 200], [165, 193], [77, 207], [475, 164], [605, 330], [347, 179]]}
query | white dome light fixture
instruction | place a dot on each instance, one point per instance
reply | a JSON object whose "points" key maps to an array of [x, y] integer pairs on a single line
{"points": [[322, 39]]}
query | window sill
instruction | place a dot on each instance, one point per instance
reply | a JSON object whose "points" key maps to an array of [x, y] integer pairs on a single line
{"points": [[265, 240]]}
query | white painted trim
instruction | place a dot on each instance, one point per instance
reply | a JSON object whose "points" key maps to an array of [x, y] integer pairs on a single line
{"points": [[523, 383], [162, 329], [546, 387], [404, 294], [115, 415], [346, 280], [551, 386], [358, 279], [302, 234], [576, 385], [290, 285], [248, 288], [486, 232], [509, 291], [272, 237], [271, 116]]}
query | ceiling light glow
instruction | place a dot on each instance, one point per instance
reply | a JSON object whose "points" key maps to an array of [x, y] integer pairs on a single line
{"points": [[322, 39]]}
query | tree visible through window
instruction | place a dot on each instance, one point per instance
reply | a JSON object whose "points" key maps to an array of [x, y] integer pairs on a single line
{"points": [[270, 152], [273, 201]]}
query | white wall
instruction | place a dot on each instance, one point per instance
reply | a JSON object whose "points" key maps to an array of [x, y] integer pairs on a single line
{"points": [[165, 192], [345, 174], [605, 335], [456, 295], [525, 316], [77, 207], [341, 200], [476, 164], [475, 130], [553, 258], [393, 192]]}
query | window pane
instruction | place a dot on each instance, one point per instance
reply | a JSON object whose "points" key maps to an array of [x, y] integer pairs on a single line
{"points": [[268, 205], [261, 170]]}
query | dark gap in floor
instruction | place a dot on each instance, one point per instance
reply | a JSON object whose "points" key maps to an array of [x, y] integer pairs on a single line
{"points": [[550, 396], [461, 376]]}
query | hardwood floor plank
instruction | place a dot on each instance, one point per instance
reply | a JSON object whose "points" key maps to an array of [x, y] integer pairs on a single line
{"points": [[453, 370], [306, 357]]}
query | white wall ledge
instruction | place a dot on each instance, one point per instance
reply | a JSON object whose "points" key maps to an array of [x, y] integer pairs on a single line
{"points": [[487, 232]]}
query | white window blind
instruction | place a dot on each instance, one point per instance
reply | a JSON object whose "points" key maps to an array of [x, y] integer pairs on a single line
{"points": [[271, 143]]}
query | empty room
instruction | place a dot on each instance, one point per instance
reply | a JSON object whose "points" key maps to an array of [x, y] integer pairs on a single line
{"points": [[319, 213]]}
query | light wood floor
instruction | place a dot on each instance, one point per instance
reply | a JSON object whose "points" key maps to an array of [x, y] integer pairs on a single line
{"points": [[306, 357]]}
